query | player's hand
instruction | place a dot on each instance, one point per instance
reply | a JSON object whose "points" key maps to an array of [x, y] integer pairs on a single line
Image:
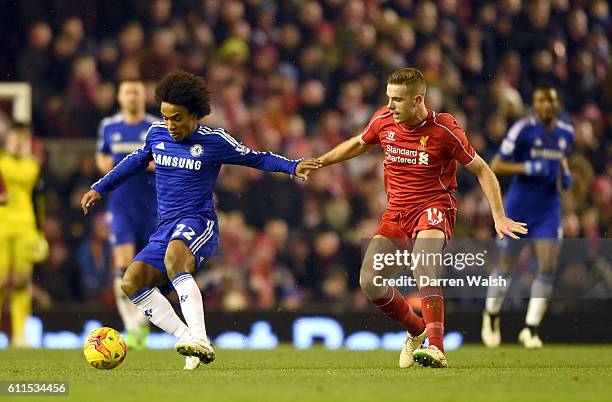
{"points": [[89, 199], [506, 226], [304, 168], [567, 180], [41, 248], [537, 167]]}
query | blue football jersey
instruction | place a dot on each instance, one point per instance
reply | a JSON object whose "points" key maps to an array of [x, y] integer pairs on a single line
{"points": [[186, 171], [119, 139], [527, 140]]}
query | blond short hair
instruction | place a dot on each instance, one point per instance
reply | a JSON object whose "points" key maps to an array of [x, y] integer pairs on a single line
{"points": [[411, 77]]}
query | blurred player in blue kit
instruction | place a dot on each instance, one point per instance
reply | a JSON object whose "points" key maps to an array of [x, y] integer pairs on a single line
{"points": [[535, 152], [132, 209], [188, 156]]}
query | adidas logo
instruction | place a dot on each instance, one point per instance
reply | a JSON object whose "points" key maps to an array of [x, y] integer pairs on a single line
{"points": [[160, 146]]}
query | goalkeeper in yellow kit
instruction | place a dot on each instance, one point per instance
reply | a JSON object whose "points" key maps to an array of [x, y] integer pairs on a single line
{"points": [[21, 243]]}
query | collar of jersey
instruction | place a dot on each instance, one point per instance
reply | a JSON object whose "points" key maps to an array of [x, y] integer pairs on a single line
{"points": [[408, 128]]}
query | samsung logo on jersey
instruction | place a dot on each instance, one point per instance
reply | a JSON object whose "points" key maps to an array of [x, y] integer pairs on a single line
{"points": [[125, 147], [175, 161], [546, 153]]}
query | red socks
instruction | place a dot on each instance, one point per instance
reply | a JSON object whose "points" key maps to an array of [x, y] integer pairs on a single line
{"points": [[432, 305], [396, 307]]}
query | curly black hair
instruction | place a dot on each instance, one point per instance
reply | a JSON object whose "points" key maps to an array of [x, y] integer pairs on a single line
{"points": [[185, 89]]}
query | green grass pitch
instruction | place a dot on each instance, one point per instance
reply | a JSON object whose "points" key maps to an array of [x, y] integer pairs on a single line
{"points": [[509, 373]]}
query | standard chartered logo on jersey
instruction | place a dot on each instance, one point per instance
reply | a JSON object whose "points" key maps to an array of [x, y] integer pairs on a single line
{"points": [[423, 158], [406, 155]]}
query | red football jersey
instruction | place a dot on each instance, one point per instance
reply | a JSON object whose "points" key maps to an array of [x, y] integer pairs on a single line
{"points": [[419, 162]]}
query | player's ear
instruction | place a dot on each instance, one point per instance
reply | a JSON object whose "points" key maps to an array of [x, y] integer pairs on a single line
{"points": [[418, 99]]}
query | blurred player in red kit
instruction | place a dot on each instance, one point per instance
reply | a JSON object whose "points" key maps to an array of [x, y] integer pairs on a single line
{"points": [[421, 147]]}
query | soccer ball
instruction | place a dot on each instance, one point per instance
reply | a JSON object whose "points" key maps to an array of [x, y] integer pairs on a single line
{"points": [[105, 348]]}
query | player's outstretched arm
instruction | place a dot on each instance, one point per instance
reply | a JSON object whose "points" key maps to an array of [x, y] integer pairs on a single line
{"points": [[228, 150], [345, 150], [128, 167], [532, 167], [490, 186]]}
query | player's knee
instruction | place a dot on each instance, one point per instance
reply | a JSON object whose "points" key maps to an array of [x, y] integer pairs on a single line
{"points": [[127, 286], [172, 264], [176, 264], [130, 284], [21, 281], [366, 282], [547, 265]]}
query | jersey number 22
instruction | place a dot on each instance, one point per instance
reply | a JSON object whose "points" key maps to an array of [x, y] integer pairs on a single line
{"points": [[179, 230]]}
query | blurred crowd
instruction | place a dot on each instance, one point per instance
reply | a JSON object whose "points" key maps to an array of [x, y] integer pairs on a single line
{"points": [[297, 78]]}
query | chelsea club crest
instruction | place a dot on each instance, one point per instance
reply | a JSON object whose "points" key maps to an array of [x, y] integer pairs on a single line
{"points": [[196, 150]]}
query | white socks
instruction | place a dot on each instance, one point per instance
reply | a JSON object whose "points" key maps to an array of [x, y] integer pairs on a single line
{"points": [[159, 311], [132, 318], [535, 311], [541, 291], [192, 306], [497, 294]]}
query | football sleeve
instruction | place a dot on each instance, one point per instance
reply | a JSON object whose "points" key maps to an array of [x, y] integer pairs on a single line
{"points": [[511, 142], [369, 135], [230, 151], [460, 148], [128, 167], [103, 145]]}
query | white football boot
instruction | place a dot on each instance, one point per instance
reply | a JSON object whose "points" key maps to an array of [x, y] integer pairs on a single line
{"points": [[490, 333], [191, 362], [196, 347], [411, 344], [529, 340], [430, 356]]}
